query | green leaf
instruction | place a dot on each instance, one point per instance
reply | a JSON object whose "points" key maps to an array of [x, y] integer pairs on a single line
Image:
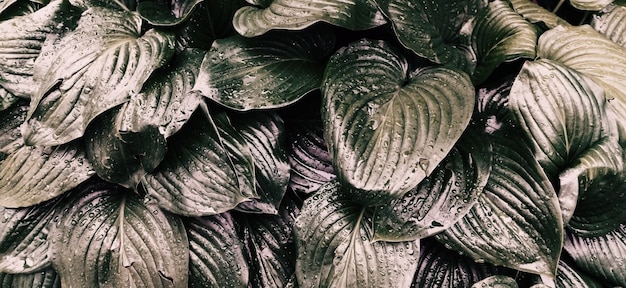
{"points": [[119, 5], [216, 253], [91, 70], [534, 13], [296, 15], [602, 256], [206, 171], [496, 281], [499, 34], [10, 133], [517, 221], [385, 132], [590, 5], [334, 236], [166, 13], [7, 99], [431, 29], [441, 199], [492, 105], [22, 38], [608, 21], [271, 71], [109, 237], [47, 278], [32, 175], [311, 164], [567, 276]]}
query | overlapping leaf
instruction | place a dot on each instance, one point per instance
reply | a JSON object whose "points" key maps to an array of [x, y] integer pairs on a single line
{"points": [[517, 221], [47, 278], [568, 276], [7, 99], [334, 236], [492, 103], [265, 72], [108, 237], [159, 13], [90, 70], [310, 161], [608, 21], [296, 15], [10, 135], [534, 13], [590, 5], [386, 132], [500, 281]]}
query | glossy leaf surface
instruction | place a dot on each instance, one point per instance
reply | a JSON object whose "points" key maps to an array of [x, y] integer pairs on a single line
{"points": [[47, 278], [535, 13], [158, 13], [311, 163]]}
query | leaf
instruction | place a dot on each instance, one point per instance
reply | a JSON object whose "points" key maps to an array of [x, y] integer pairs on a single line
{"points": [[91, 70], [500, 35], [590, 5], [431, 29], [310, 161], [216, 253], [252, 21], [108, 237], [499, 281], [47, 278], [7, 99], [334, 236], [602, 256], [32, 175], [441, 199], [266, 72], [492, 105], [22, 38], [568, 277], [206, 171], [517, 221], [10, 134], [607, 22], [385, 132], [166, 13], [119, 5], [534, 13]]}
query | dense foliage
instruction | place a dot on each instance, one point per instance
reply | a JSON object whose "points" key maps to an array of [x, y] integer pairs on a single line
{"points": [[293, 143]]}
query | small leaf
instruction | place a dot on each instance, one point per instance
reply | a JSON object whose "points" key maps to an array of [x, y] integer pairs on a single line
{"points": [[266, 72], [159, 13], [590, 5], [534, 13], [496, 281], [47, 278], [91, 70], [32, 175], [252, 21], [109, 237], [335, 249], [385, 132], [311, 164]]}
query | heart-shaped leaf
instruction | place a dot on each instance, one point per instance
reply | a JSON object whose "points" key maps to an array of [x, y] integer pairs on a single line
{"points": [[22, 38], [535, 13], [90, 70], [334, 236], [47, 278], [590, 5], [252, 21], [311, 164], [517, 221], [166, 13], [385, 132], [271, 71], [500, 34], [109, 237], [607, 22]]}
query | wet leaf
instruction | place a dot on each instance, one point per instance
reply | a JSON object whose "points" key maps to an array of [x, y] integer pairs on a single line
{"points": [[496, 281], [166, 13], [534, 13], [607, 22], [590, 5], [10, 132], [119, 5], [7, 99], [311, 164], [46, 278], [568, 276], [109, 237], [385, 132], [492, 105]]}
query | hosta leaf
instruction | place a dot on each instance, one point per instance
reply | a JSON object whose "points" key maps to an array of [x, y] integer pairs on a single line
{"points": [[602, 256], [496, 281], [535, 13], [91, 70], [296, 15], [6, 4], [500, 34], [22, 38], [607, 22], [334, 236], [216, 253], [265, 135], [385, 132], [206, 171], [568, 277], [492, 105], [166, 13], [431, 28], [271, 71], [121, 5], [10, 135], [442, 198], [7, 99], [311, 164], [47, 278], [32, 175], [517, 221], [590, 5], [109, 237]]}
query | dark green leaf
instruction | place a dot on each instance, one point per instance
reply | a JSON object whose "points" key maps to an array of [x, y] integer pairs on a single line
{"points": [[109, 237], [91, 70], [590, 5], [293, 15], [335, 249], [47, 278], [496, 281], [385, 132], [568, 277], [10, 132], [311, 164], [492, 105], [271, 71], [534, 13], [166, 13], [121, 5]]}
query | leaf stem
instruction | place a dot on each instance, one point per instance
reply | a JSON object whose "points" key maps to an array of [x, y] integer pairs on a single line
{"points": [[558, 6]]}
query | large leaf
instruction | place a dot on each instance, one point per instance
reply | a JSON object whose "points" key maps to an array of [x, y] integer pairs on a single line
{"points": [[496, 281], [431, 28], [109, 237], [48, 278], [442, 198], [271, 71], [32, 175], [22, 38], [334, 236], [602, 256], [517, 221], [499, 34], [91, 70], [590, 5], [216, 253], [385, 132], [297, 14], [206, 171], [311, 164], [535, 13], [159, 13], [608, 21]]}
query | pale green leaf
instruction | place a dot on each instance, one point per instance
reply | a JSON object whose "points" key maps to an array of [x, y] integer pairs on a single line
{"points": [[590, 5], [496, 281], [609, 23], [311, 164], [166, 13], [47, 278], [297, 14], [386, 132], [534, 13]]}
